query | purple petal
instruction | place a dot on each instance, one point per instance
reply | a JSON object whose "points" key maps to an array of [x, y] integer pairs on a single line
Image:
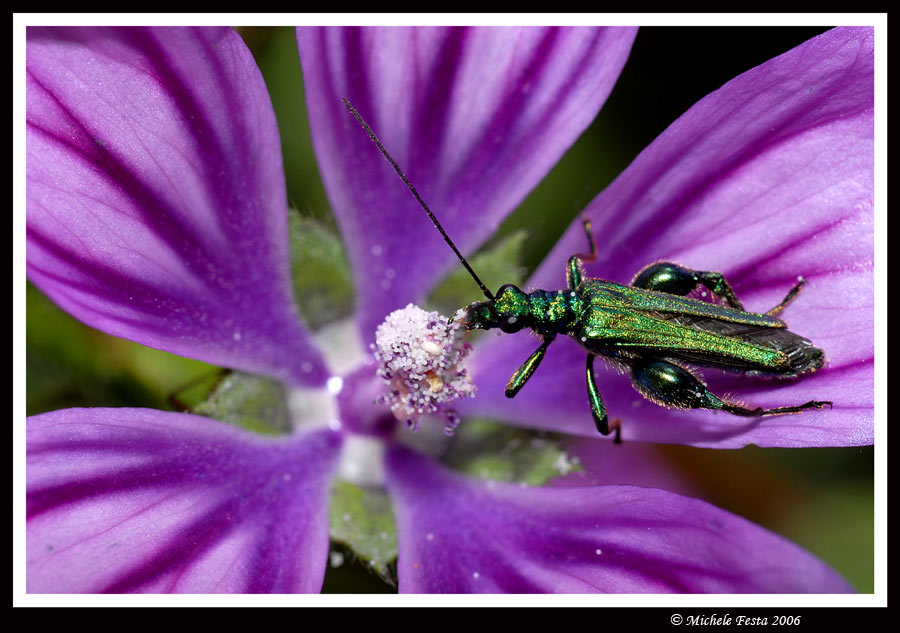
{"points": [[768, 178], [123, 500], [459, 535], [474, 116], [156, 197], [634, 463]]}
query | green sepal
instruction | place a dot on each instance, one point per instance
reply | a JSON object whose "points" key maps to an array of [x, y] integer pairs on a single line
{"points": [[488, 450], [362, 519], [495, 265], [323, 285], [251, 402]]}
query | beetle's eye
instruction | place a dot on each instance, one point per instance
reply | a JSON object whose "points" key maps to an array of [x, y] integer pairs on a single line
{"points": [[511, 324]]}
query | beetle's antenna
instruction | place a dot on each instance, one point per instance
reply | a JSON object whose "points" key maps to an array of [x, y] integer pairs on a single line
{"points": [[434, 220]]}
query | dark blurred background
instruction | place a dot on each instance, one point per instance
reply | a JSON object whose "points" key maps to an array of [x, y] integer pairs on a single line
{"points": [[819, 498]]}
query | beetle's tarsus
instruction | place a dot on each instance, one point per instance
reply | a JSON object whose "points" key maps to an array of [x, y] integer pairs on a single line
{"points": [[759, 411], [790, 296]]}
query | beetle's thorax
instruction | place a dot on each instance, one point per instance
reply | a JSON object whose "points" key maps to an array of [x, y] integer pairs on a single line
{"points": [[554, 310], [544, 311]]}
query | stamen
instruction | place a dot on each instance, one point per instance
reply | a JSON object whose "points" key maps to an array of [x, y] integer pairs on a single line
{"points": [[419, 355]]}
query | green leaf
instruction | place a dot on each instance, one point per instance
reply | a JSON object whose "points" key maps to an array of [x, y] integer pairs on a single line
{"points": [[323, 285], [496, 265], [489, 450], [362, 519], [68, 364], [193, 393], [251, 402]]}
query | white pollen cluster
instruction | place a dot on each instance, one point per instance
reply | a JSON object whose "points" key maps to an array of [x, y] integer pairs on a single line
{"points": [[418, 354]]}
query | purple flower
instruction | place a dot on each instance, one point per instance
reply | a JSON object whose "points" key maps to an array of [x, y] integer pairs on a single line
{"points": [[157, 212]]}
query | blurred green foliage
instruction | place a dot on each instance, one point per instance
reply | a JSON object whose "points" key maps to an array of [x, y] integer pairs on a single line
{"points": [[68, 364], [323, 285], [363, 519], [485, 449], [255, 403], [497, 264], [820, 498]]}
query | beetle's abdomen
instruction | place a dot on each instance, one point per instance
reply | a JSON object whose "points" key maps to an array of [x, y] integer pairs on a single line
{"points": [[622, 323], [631, 330], [801, 355]]}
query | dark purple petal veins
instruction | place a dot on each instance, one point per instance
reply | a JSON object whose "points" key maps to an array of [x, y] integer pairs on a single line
{"points": [[123, 500], [478, 536], [766, 179], [156, 205], [474, 116]]}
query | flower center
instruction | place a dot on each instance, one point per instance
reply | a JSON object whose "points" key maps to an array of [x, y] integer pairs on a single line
{"points": [[343, 350], [362, 460], [419, 355]]}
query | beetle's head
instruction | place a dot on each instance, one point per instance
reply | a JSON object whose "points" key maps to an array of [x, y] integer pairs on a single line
{"points": [[508, 311]]}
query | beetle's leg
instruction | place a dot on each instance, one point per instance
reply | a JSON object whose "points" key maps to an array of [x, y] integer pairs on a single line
{"points": [[673, 386], [598, 410], [592, 246], [678, 280], [575, 270], [758, 411], [791, 295], [523, 373]]}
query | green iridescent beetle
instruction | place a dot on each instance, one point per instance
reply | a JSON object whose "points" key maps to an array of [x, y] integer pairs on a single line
{"points": [[651, 328]]}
